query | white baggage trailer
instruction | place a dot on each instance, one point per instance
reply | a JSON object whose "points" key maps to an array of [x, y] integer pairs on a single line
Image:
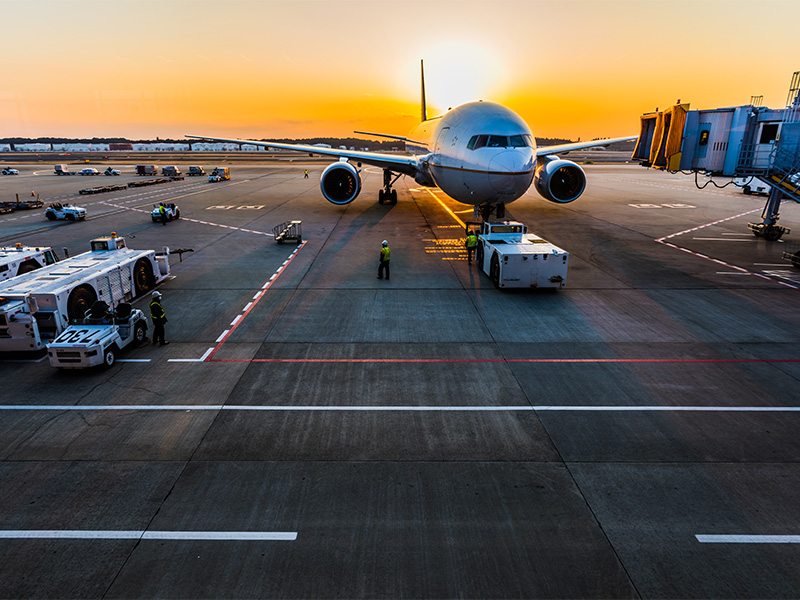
{"points": [[36, 307], [19, 259], [514, 258]]}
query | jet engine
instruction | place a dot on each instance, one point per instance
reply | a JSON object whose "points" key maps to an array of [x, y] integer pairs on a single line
{"points": [[559, 180], [340, 183]]}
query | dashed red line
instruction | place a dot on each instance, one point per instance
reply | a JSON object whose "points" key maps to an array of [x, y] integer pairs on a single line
{"points": [[510, 360], [237, 321]]}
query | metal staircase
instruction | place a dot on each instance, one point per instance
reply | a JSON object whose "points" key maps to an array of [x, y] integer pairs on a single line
{"points": [[778, 166]]}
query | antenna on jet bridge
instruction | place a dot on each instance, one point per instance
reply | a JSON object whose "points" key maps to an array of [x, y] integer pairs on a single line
{"points": [[422, 90]]}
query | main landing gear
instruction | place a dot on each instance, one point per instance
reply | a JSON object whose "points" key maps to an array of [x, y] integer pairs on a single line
{"points": [[769, 228], [484, 211], [388, 195]]}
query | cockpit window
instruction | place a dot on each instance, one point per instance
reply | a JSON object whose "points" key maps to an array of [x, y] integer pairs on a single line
{"points": [[500, 141]]}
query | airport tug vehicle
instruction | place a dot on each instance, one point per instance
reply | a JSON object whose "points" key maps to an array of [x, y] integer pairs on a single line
{"points": [[220, 174], [19, 259], [514, 258], [103, 334], [37, 307], [172, 212], [64, 212]]}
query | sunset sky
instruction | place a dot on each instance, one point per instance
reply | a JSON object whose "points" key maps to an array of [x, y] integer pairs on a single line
{"points": [[146, 68]]}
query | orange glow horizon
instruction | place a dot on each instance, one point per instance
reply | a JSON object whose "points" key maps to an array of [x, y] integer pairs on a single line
{"points": [[273, 69]]}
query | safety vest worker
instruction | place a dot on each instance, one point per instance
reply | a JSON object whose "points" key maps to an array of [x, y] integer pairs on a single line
{"points": [[159, 317], [471, 244], [162, 210], [386, 254]]}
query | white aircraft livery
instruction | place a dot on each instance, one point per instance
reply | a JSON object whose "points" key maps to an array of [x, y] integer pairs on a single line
{"points": [[479, 153]]}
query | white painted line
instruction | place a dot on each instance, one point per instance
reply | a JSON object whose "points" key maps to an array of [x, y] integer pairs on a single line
{"points": [[784, 265], [236, 320], [246, 306], [706, 538], [274, 275], [731, 273], [221, 335], [110, 407], [133, 360], [206, 353], [186, 360], [92, 534], [711, 239], [256, 295]]}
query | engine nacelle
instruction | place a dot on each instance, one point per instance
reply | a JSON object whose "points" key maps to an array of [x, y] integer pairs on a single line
{"points": [[340, 183], [559, 180]]}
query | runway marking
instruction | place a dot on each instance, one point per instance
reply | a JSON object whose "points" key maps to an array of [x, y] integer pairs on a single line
{"points": [[708, 538], [192, 360], [99, 534], [444, 206], [512, 360], [713, 239], [731, 273], [209, 356], [386, 408], [133, 360], [717, 222]]}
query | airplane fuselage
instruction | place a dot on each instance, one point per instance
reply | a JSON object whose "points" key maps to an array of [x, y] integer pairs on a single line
{"points": [[477, 153]]}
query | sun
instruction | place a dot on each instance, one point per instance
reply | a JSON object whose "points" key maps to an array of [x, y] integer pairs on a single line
{"points": [[459, 71]]}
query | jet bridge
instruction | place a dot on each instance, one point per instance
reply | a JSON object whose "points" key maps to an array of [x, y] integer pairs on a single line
{"points": [[739, 141]]}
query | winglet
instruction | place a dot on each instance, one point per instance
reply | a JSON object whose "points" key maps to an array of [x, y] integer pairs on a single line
{"points": [[422, 90]]}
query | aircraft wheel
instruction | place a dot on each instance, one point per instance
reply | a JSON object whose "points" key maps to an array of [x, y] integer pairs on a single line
{"points": [[381, 197], [394, 196]]}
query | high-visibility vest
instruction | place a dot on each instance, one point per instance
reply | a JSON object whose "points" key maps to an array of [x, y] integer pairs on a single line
{"points": [[157, 311], [386, 253], [472, 240]]}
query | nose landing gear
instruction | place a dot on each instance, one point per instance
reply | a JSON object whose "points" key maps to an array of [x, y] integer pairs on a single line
{"points": [[485, 211], [388, 195]]}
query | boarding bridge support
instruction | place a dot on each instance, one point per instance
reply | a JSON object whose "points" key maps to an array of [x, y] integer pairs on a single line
{"points": [[737, 142]]}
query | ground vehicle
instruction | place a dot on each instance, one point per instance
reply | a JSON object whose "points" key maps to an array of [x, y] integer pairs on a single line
{"points": [[62, 170], [36, 307], [64, 212], [147, 169], [109, 171], [170, 171], [9, 171], [102, 335], [196, 171], [220, 174], [89, 171], [513, 258], [172, 212], [19, 260], [752, 185]]}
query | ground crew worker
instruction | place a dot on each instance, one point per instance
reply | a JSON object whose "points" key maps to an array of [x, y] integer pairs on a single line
{"points": [[305, 174], [471, 244], [386, 254], [159, 318], [162, 210]]}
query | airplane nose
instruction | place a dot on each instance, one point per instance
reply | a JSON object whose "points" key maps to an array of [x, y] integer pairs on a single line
{"points": [[512, 161]]}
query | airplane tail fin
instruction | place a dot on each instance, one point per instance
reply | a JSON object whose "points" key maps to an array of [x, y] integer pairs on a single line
{"points": [[422, 90]]}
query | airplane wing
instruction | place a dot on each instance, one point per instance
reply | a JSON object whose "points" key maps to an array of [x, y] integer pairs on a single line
{"points": [[395, 162], [547, 150]]}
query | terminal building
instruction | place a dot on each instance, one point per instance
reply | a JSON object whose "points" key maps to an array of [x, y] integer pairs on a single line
{"points": [[741, 141]]}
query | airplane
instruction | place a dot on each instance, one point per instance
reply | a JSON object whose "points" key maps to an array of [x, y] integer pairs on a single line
{"points": [[480, 153]]}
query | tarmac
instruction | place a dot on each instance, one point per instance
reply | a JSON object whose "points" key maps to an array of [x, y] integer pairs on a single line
{"points": [[312, 431]]}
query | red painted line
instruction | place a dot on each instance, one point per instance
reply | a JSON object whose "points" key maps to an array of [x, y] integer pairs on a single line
{"points": [[508, 360], [256, 299]]}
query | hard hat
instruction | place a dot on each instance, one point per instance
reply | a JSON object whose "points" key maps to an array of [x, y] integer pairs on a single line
{"points": [[384, 243], [156, 294]]}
